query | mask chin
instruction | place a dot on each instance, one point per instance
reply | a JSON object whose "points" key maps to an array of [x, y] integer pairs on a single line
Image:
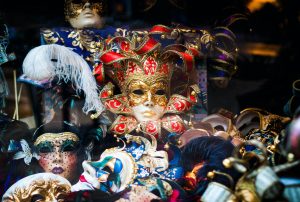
{"points": [[81, 22]]}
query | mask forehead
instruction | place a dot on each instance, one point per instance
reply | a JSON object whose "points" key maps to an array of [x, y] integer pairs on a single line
{"points": [[54, 137]]}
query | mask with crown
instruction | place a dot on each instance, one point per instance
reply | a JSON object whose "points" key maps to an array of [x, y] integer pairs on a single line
{"points": [[144, 73]]}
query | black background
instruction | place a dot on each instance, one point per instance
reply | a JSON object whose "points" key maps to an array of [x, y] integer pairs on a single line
{"points": [[260, 81]]}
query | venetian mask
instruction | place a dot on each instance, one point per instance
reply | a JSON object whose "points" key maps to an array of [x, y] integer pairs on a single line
{"points": [[57, 153], [143, 73], [148, 101], [138, 162], [41, 187], [84, 13]]}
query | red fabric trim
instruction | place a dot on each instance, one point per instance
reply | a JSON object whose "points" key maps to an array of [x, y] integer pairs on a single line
{"points": [[147, 47], [111, 57], [160, 29]]}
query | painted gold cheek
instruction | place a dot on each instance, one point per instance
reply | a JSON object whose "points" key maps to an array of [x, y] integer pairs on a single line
{"points": [[97, 7], [74, 10], [160, 100]]}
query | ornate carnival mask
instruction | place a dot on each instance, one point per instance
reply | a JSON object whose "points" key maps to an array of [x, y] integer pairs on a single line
{"points": [[255, 118], [40, 187], [84, 13], [143, 73], [57, 153], [138, 163]]}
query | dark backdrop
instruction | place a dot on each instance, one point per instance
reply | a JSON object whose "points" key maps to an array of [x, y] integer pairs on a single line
{"points": [[261, 81]]}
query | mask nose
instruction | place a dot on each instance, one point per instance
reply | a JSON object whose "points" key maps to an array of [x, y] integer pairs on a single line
{"points": [[149, 102], [87, 5], [57, 156]]}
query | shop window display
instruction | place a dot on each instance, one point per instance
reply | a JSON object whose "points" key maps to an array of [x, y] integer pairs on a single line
{"points": [[140, 107]]}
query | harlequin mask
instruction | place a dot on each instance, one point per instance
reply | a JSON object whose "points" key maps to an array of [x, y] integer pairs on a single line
{"points": [[57, 153], [38, 187], [143, 72], [83, 13], [138, 163]]}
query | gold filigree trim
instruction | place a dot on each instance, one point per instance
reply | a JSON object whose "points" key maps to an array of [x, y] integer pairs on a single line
{"points": [[51, 137]]}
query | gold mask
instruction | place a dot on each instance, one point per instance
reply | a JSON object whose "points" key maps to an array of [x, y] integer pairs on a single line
{"points": [[39, 187], [73, 8]]}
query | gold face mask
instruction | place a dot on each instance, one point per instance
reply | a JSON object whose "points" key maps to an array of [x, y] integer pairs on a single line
{"points": [[73, 8], [147, 100], [39, 187]]}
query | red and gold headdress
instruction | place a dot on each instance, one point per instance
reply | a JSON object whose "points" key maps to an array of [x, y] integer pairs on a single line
{"points": [[145, 61], [129, 59]]}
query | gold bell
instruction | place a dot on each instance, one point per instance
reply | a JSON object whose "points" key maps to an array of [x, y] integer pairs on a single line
{"points": [[290, 157], [227, 163], [211, 175], [109, 92], [167, 146]]}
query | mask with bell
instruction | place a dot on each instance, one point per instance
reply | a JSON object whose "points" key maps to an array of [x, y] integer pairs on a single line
{"points": [[144, 72]]}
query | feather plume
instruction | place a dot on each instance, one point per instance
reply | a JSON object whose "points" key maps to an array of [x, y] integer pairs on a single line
{"points": [[48, 61]]}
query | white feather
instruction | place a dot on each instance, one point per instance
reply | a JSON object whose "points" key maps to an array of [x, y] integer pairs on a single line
{"points": [[47, 61]]}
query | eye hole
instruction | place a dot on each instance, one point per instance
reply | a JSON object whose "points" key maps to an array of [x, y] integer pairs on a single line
{"points": [[94, 1], [37, 198], [45, 149], [138, 92], [69, 148], [77, 1], [220, 128], [160, 92], [107, 169], [61, 197]]}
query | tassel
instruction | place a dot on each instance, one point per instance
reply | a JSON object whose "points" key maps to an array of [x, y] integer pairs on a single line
{"points": [[48, 61]]}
